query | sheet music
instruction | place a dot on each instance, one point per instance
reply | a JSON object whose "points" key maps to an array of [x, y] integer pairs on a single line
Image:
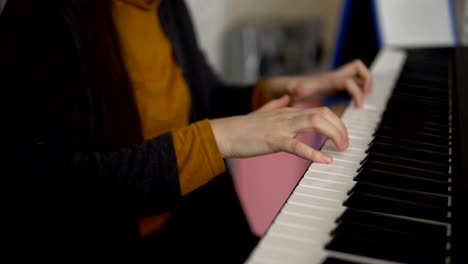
{"points": [[426, 23]]}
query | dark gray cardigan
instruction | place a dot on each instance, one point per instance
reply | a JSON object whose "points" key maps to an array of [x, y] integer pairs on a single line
{"points": [[73, 159]]}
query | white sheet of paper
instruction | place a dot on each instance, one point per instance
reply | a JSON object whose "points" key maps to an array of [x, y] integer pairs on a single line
{"points": [[410, 23]]}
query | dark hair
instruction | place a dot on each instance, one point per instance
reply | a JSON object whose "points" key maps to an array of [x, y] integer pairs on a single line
{"points": [[114, 121], [105, 71]]}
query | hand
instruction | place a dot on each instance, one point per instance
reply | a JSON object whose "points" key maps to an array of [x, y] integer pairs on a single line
{"points": [[273, 128], [353, 77]]}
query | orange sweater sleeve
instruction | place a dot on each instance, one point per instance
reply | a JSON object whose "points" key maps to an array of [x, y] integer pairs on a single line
{"points": [[198, 157]]}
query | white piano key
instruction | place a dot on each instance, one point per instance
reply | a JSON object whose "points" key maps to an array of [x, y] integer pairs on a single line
{"points": [[360, 138], [346, 156], [367, 131], [329, 175], [342, 161], [321, 193], [306, 222], [338, 170], [345, 179], [300, 231], [350, 150], [274, 255], [366, 114], [300, 210], [359, 142], [369, 110], [336, 164], [355, 146], [356, 133], [313, 201], [279, 242], [325, 185], [289, 247], [358, 121]]}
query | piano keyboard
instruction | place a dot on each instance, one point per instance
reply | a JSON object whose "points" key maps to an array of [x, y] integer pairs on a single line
{"points": [[386, 199]]}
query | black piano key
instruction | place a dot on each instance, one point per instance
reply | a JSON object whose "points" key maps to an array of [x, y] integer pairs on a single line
{"points": [[409, 135], [409, 95], [395, 206], [412, 93], [417, 107], [412, 89], [410, 119], [424, 77], [413, 123], [424, 83], [379, 250], [408, 169], [440, 201], [420, 144], [391, 159], [414, 127], [411, 144], [393, 236], [420, 229], [400, 103], [402, 181], [408, 152], [397, 110], [415, 117], [411, 170]]}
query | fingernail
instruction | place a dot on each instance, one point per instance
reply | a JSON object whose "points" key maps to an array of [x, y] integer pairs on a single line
{"points": [[345, 145], [327, 159]]}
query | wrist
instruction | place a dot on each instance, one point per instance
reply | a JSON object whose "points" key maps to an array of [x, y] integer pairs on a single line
{"points": [[326, 82], [218, 128]]}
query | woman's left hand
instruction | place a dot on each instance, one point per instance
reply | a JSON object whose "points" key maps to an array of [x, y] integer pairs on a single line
{"points": [[353, 77]]}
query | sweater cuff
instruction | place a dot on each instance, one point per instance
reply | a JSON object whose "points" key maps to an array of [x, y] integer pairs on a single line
{"points": [[198, 157], [215, 158]]}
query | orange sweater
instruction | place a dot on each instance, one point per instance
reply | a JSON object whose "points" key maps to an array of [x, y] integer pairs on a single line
{"points": [[163, 98]]}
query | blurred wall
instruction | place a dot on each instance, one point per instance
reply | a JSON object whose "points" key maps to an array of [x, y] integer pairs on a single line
{"points": [[210, 20], [327, 11], [2, 3], [464, 23], [212, 17]]}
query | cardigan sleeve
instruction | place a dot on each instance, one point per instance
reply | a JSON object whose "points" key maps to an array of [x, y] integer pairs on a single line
{"points": [[55, 170]]}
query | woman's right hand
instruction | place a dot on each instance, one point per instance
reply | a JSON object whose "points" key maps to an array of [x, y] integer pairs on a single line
{"points": [[274, 127]]}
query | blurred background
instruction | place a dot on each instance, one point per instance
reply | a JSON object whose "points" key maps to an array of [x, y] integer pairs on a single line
{"points": [[245, 41]]}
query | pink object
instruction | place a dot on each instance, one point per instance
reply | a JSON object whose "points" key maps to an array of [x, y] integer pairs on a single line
{"points": [[264, 183]]}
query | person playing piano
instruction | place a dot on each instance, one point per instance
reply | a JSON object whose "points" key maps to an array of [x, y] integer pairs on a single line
{"points": [[117, 131]]}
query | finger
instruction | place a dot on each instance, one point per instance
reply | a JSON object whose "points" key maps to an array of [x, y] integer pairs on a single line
{"points": [[275, 104], [331, 117], [316, 122], [365, 75], [355, 91], [302, 150], [291, 86], [334, 119]]}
